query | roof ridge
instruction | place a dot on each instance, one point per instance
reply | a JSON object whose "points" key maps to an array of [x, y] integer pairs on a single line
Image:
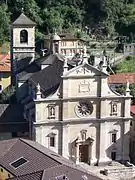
{"points": [[16, 140], [23, 140], [23, 20], [28, 174]]}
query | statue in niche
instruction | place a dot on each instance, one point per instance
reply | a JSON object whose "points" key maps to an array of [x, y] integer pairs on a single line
{"points": [[114, 108], [83, 135], [51, 111]]}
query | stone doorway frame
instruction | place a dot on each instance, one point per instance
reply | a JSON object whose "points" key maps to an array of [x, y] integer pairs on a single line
{"points": [[89, 142]]}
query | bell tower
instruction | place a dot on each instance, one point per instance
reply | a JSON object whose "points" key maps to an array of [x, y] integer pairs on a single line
{"points": [[22, 44]]}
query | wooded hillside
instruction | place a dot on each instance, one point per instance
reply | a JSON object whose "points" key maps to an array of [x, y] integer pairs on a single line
{"points": [[95, 16]]}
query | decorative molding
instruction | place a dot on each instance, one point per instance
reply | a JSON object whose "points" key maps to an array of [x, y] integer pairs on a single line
{"points": [[113, 131], [84, 109], [51, 111], [83, 70], [114, 108], [84, 87], [83, 134]]}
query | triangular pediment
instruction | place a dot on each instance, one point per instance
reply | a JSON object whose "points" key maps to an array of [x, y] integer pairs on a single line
{"points": [[84, 70]]}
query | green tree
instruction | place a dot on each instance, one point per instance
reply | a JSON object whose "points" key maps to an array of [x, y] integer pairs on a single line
{"points": [[30, 8], [126, 66], [4, 24]]}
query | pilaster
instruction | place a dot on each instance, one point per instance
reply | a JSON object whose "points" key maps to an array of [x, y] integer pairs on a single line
{"points": [[126, 140], [65, 148], [103, 159]]}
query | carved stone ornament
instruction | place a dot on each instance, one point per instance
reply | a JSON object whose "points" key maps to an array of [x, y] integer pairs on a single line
{"points": [[83, 134], [83, 70], [84, 87], [83, 109], [114, 108]]}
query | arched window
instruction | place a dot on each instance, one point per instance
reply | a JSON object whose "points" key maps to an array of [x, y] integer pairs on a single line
{"points": [[23, 36]]}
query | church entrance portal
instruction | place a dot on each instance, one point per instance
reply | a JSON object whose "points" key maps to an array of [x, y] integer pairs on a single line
{"points": [[84, 153]]}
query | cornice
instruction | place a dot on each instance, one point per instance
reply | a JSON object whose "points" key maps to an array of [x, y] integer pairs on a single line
{"points": [[83, 97], [81, 120]]}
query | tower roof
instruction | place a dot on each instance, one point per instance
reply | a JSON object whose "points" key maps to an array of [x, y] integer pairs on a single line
{"points": [[55, 37], [23, 20]]}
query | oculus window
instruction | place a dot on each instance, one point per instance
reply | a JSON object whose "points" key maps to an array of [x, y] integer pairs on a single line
{"points": [[84, 109]]}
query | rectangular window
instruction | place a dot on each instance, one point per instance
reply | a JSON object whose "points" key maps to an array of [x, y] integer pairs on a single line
{"points": [[52, 141], [114, 138], [113, 155]]}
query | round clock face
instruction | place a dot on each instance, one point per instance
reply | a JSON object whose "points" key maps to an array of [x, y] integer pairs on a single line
{"points": [[84, 109]]}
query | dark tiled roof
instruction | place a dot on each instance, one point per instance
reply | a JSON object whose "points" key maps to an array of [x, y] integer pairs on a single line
{"points": [[48, 152], [27, 71], [11, 118], [50, 77], [42, 163], [5, 146], [32, 176], [37, 160], [48, 59], [66, 171], [60, 172], [23, 20]]}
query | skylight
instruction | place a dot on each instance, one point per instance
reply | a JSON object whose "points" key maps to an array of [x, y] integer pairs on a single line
{"points": [[19, 162]]}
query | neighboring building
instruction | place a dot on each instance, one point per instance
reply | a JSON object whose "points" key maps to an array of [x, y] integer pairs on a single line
{"points": [[23, 44], [12, 122], [121, 78], [68, 45], [5, 71], [116, 81], [22, 159], [129, 49], [71, 109]]}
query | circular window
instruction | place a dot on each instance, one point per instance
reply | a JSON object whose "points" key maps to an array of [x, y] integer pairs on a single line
{"points": [[84, 109]]}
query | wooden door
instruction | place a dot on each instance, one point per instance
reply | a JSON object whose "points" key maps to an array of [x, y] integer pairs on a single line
{"points": [[83, 153]]}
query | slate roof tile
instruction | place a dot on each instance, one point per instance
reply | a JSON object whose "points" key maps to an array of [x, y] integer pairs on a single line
{"points": [[23, 20], [42, 164], [50, 77], [37, 160]]}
